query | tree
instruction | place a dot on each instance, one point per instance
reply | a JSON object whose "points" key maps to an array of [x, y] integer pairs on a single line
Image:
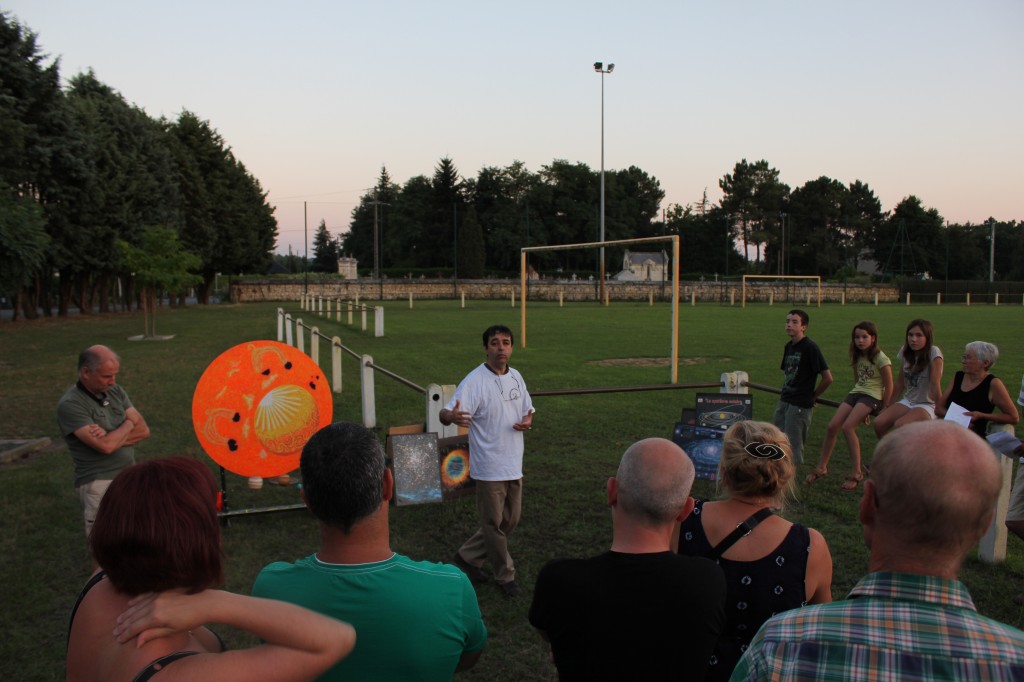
{"points": [[755, 197], [817, 243], [158, 263], [23, 242], [707, 239], [471, 247], [910, 241], [229, 224], [438, 241], [325, 253], [863, 215]]}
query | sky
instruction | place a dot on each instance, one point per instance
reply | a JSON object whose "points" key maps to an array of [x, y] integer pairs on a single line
{"points": [[922, 97]]}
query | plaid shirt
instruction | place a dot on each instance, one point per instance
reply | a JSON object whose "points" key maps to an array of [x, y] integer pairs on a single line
{"points": [[893, 626]]}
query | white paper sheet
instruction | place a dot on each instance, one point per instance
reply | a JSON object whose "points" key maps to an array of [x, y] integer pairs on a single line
{"points": [[955, 414]]}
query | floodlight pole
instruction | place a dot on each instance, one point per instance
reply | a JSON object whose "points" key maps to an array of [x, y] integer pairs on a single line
{"points": [[599, 67]]}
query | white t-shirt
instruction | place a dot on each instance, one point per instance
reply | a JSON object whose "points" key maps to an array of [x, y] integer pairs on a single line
{"points": [[496, 402], [917, 385]]}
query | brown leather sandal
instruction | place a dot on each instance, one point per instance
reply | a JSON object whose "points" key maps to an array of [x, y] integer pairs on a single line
{"points": [[815, 475], [852, 482]]}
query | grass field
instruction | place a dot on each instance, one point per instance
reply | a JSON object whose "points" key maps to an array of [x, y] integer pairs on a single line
{"points": [[574, 446]]}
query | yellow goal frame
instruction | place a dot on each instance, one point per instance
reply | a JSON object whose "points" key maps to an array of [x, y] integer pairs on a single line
{"points": [[674, 359]]}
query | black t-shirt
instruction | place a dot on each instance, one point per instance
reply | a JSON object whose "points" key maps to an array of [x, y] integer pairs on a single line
{"points": [[802, 362], [630, 616]]}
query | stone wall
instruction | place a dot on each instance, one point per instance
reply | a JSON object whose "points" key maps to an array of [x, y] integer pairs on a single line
{"points": [[250, 290]]}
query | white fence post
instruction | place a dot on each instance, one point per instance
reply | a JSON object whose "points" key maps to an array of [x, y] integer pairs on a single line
{"points": [[362, 310], [350, 312], [908, 298], [463, 299], [314, 345], [288, 330], [280, 325], [876, 298], [734, 382], [992, 548], [437, 397], [300, 335], [369, 407], [336, 364], [968, 298], [338, 316], [378, 321]]}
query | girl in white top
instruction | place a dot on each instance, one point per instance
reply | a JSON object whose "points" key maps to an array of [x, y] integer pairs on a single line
{"points": [[920, 379]]}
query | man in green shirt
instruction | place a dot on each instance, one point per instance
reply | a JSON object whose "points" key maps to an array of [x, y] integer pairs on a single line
{"points": [[100, 426], [413, 619]]}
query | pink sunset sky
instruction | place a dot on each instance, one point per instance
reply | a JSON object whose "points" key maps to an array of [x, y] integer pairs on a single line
{"points": [[911, 97]]}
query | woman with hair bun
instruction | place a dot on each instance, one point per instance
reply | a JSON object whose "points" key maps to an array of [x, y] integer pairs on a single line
{"points": [[770, 564], [143, 615]]}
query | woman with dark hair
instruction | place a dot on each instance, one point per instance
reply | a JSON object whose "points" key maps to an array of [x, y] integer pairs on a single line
{"points": [[142, 615], [770, 564], [978, 391], [919, 380]]}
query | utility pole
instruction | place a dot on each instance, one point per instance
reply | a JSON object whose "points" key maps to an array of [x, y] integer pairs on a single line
{"points": [[376, 235]]}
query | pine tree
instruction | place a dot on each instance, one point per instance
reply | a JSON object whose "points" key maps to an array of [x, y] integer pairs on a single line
{"points": [[325, 250], [471, 247]]}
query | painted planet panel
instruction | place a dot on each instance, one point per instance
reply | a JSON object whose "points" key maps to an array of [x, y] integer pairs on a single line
{"points": [[257, 404]]}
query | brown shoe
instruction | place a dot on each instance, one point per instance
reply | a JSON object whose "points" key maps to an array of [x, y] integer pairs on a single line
{"points": [[511, 589], [474, 572]]}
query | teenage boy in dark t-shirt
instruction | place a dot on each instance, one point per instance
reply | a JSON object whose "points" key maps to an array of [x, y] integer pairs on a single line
{"points": [[802, 362]]}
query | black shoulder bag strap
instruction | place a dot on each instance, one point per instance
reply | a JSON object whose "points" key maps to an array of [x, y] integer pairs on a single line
{"points": [[742, 530]]}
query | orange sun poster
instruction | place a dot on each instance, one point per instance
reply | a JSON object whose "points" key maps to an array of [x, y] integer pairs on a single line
{"points": [[257, 404]]}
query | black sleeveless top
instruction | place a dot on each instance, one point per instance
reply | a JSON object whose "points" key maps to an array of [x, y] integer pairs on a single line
{"points": [[755, 590], [975, 400], [151, 669]]}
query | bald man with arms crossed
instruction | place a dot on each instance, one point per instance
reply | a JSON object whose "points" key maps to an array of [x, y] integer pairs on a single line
{"points": [[930, 498], [100, 426], [639, 611]]}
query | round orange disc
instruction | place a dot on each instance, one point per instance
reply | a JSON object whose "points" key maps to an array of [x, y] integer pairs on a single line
{"points": [[257, 404]]}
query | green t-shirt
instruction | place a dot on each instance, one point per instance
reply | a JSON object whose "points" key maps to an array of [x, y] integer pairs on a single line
{"points": [[413, 619], [77, 409]]}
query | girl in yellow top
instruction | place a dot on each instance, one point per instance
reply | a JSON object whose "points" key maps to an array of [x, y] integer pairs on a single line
{"points": [[872, 392]]}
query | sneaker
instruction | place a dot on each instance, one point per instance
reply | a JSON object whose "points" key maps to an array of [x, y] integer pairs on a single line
{"points": [[474, 572], [511, 589]]}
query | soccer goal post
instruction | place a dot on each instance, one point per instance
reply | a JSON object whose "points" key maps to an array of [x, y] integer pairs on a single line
{"points": [[774, 278], [674, 357]]}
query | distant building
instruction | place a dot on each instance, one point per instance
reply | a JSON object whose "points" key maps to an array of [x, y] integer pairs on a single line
{"points": [[347, 267], [644, 266]]}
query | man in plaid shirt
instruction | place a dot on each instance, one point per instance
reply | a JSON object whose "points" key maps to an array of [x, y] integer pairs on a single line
{"points": [[929, 500]]}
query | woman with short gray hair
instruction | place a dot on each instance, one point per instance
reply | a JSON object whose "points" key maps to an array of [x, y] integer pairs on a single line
{"points": [[978, 391]]}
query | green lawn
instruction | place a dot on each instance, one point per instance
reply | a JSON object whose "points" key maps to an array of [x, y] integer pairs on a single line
{"points": [[573, 448]]}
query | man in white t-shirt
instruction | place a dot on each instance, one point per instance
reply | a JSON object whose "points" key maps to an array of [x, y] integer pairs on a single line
{"points": [[493, 403]]}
